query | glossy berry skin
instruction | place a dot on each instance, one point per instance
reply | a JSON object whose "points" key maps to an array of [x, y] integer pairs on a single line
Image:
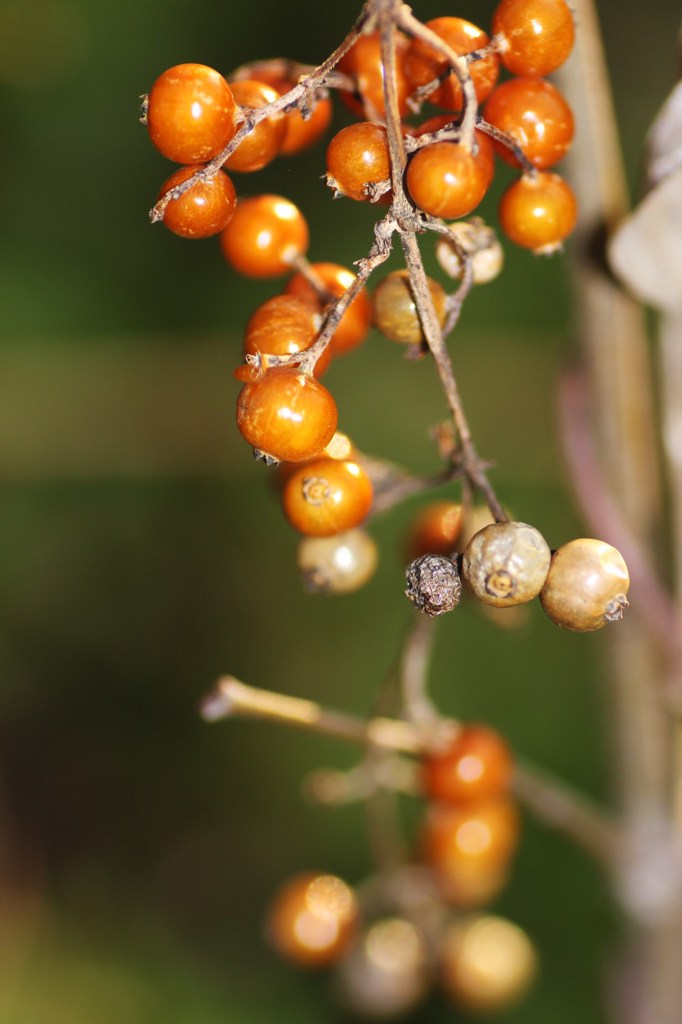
{"points": [[536, 116], [506, 564], [538, 212], [536, 36], [357, 318], [470, 846], [205, 209], [357, 158], [475, 765], [395, 311], [262, 144], [300, 133], [191, 113], [486, 963], [265, 236], [340, 564], [312, 920], [284, 325], [485, 150], [286, 415], [446, 180], [435, 530], [423, 62], [363, 63], [586, 585], [327, 496]]}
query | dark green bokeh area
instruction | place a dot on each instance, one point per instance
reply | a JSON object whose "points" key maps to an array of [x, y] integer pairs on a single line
{"points": [[143, 553]]}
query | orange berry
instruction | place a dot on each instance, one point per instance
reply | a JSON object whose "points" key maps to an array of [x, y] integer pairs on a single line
{"points": [[204, 209], [364, 64], [424, 62], [262, 144], [284, 325], [357, 159], [536, 36], [357, 318], [446, 179], [286, 415], [191, 113], [265, 236], [538, 212], [435, 530], [536, 116], [475, 765], [312, 920], [481, 836], [327, 496]]}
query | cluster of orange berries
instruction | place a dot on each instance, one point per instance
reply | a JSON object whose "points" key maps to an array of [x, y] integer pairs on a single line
{"points": [[582, 585], [386, 963]]}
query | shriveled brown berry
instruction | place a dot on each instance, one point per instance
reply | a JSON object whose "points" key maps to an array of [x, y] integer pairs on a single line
{"points": [[395, 311], [433, 584], [506, 563], [586, 585]]}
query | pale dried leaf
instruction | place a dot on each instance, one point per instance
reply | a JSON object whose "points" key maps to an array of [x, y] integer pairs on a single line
{"points": [[664, 141], [646, 250]]}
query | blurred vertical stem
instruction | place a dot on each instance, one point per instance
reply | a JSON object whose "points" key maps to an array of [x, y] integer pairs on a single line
{"points": [[619, 379]]}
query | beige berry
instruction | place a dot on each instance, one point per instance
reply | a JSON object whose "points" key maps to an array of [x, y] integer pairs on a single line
{"points": [[506, 563], [387, 973], [586, 585], [395, 311], [339, 564], [474, 240], [487, 963]]}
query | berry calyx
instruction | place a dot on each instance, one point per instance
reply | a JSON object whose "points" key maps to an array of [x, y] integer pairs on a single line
{"points": [[265, 236], [538, 212], [191, 113], [286, 416], [586, 585], [204, 209]]}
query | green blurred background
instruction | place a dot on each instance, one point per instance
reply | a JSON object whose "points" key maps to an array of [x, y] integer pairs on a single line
{"points": [[143, 553]]}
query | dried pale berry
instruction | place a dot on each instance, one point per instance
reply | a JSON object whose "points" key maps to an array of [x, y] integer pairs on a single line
{"points": [[506, 563], [586, 585]]}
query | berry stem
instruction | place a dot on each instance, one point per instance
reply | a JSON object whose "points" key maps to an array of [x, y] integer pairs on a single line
{"points": [[460, 67], [471, 463], [553, 802]]}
